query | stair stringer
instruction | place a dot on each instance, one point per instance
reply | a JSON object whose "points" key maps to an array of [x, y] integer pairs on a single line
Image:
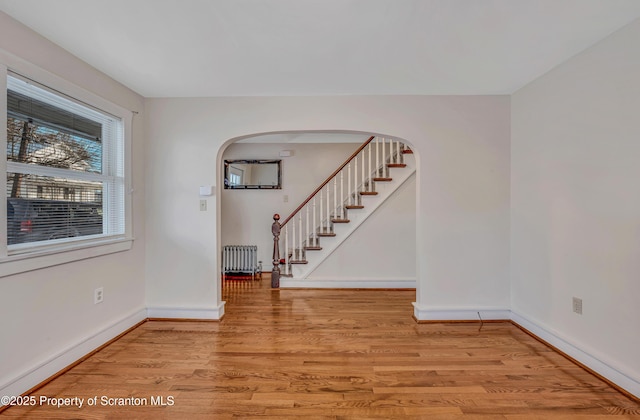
{"points": [[371, 203]]}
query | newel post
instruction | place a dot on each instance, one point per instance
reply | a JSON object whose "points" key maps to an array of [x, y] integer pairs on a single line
{"points": [[275, 273]]}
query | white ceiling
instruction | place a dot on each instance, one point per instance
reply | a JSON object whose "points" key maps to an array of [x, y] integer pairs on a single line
{"points": [[190, 48]]}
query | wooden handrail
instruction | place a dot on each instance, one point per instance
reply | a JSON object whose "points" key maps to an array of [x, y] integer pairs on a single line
{"points": [[362, 146]]}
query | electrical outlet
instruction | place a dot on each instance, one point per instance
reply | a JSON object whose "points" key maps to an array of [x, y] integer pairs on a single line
{"points": [[577, 305], [285, 198], [203, 205], [98, 295]]}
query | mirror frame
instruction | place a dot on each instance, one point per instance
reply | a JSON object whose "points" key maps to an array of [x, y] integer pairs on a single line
{"points": [[227, 164]]}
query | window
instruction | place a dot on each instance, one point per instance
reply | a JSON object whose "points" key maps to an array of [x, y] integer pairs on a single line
{"points": [[235, 176], [65, 180]]}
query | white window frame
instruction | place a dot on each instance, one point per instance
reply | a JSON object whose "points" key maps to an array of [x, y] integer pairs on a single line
{"points": [[236, 175], [38, 256]]}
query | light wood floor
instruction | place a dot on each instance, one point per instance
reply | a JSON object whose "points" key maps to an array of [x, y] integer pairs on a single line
{"points": [[329, 354]]}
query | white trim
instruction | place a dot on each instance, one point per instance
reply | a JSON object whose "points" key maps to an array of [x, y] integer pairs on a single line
{"points": [[32, 257], [21, 263], [3, 161], [54, 364], [187, 313], [31, 169], [63, 359], [429, 313], [599, 363], [590, 358], [44, 77], [349, 283]]}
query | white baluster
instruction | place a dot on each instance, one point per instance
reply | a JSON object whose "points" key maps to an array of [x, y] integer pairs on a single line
{"points": [[369, 175], [300, 246], [349, 184], [377, 156], [293, 237], [363, 168], [392, 156], [315, 234], [286, 250], [335, 197], [384, 157], [355, 180], [396, 155], [321, 207], [306, 238], [342, 194], [328, 209]]}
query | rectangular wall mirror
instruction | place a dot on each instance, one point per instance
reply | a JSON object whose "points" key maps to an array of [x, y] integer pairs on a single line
{"points": [[252, 174]]}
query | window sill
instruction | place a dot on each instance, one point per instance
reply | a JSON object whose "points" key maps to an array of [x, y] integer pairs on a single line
{"points": [[48, 257]]}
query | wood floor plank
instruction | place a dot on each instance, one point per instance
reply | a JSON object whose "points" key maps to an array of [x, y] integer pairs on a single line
{"points": [[328, 354]]}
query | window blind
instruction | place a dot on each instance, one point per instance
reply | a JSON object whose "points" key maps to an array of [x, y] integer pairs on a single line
{"points": [[65, 168]]}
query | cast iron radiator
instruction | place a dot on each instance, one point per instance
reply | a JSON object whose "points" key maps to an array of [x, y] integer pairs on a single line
{"points": [[240, 259]]}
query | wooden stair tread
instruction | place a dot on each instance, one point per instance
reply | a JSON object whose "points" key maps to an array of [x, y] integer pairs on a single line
{"points": [[382, 179], [340, 220], [351, 207], [313, 248], [298, 262], [368, 192], [396, 165], [326, 234]]}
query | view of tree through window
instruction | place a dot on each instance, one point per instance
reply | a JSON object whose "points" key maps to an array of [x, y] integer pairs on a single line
{"points": [[55, 180]]}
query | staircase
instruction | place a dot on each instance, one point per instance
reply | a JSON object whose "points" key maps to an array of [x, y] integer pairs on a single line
{"points": [[337, 208]]}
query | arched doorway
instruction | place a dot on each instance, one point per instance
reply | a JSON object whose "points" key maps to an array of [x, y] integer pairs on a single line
{"points": [[307, 158]]}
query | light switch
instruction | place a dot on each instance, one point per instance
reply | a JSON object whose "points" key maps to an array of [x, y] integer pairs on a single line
{"points": [[207, 190], [203, 205]]}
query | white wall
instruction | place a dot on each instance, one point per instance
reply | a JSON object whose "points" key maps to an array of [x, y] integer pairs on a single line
{"points": [[247, 215], [48, 316], [576, 205], [462, 219]]}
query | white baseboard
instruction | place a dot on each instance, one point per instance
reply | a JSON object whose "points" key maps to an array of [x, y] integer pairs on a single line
{"points": [[348, 283], [187, 313], [71, 355], [598, 364], [65, 358], [460, 314], [54, 364]]}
